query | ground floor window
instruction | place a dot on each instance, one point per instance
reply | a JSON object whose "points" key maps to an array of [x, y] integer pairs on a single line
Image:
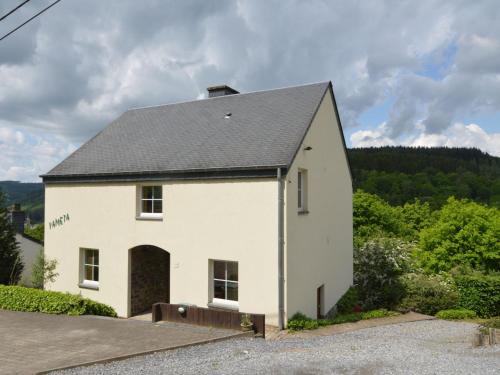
{"points": [[225, 282], [90, 268]]}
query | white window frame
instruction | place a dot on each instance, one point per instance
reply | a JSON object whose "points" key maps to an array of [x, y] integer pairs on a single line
{"points": [[151, 215], [92, 284], [302, 190], [220, 301]]}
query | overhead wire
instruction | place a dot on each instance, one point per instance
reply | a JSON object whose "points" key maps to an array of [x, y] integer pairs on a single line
{"points": [[30, 19], [13, 10]]}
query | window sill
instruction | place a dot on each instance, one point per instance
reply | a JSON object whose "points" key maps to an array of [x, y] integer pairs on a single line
{"points": [[150, 218], [223, 306], [88, 286], [302, 212]]}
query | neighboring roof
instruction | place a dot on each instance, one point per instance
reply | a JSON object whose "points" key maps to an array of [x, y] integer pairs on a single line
{"points": [[240, 133]]}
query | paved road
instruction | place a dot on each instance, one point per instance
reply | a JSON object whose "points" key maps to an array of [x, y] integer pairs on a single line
{"points": [[33, 342], [424, 347]]}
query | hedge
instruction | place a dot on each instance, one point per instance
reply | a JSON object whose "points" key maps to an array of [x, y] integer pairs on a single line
{"points": [[19, 298], [480, 293], [453, 314]]}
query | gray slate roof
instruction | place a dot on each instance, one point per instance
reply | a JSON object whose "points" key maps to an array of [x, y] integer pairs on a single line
{"points": [[264, 130]]}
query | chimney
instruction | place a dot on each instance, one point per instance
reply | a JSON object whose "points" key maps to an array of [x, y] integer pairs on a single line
{"points": [[220, 91], [17, 218]]}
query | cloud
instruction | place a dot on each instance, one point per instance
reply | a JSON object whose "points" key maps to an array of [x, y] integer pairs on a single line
{"points": [[15, 144], [81, 64], [458, 135], [372, 138]]}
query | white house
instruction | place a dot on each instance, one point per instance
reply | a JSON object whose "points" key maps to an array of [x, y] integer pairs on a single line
{"points": [[238, 201], [29, 247]]}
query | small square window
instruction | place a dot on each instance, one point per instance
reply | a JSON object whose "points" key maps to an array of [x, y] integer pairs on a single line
{"points": [[151, 201]]}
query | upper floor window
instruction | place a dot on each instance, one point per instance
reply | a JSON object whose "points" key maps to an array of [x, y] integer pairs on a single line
{"points": [[301, 190], [151, 201]]}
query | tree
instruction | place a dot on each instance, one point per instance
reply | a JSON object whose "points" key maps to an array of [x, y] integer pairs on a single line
{"points": [[416, 216], [11, 264], [43, 271], [465, 234], [374, 217]]}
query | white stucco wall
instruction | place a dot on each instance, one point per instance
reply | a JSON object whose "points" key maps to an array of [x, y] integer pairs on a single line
{"points": [[219, 219], [319, 243], [29, 250]]}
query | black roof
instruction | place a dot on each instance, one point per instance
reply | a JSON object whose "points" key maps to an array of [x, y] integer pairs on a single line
{"points": [[233, 135]]}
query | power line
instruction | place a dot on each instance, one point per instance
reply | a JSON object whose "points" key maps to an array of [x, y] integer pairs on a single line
{"points": [[13, 10], [24, 23]]}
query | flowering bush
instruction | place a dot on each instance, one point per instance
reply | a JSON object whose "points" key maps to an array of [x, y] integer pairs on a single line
{"points": [[378, 264], [428, 294]]}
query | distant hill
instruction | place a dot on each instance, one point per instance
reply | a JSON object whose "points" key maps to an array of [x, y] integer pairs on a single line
{"points": [[397, 174], [401, 174], [30, 195]]}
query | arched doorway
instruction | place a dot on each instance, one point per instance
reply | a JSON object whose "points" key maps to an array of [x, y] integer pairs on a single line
{"points": [[149, 277]]}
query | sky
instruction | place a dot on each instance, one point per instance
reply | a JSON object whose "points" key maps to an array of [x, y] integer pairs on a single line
{"points": [[418, 73]]}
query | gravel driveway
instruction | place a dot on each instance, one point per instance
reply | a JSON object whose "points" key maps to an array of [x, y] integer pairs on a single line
{"points": [[426, 347]]}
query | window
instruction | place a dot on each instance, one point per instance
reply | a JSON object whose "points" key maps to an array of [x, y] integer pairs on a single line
{"points": [[225, 283], [90, 268], [151, 201], [301, 190]]}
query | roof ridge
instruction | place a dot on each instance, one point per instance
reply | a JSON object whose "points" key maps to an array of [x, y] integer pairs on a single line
{"points": [[226, 96]]}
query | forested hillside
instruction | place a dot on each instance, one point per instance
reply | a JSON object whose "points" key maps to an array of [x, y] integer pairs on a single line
{"points": [[401, 174], [30, 195]]}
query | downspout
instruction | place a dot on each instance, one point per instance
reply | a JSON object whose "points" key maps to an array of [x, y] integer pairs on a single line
{"points": [[281, 251]]}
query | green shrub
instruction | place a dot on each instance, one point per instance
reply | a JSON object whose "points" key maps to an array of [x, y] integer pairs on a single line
{"points": [[480, 293], [296, 325], [456, 314], [299, 321], [428, 294], [35, 232], [299, 316], [324, 322], [346, 318], [96, 308], [348, 301], [378, 264], [380, 313], [43, 270], [19, 298], [311, 324]]}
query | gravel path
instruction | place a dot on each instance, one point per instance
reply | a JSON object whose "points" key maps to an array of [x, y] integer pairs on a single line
{"points": [[426, 347]]}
